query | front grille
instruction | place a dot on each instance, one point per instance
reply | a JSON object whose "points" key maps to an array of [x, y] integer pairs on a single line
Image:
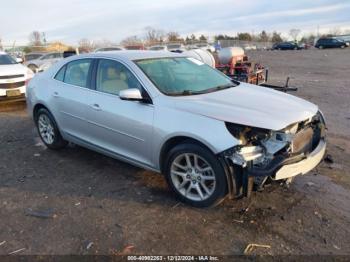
{"points": [[12, 85], [11, 76]]}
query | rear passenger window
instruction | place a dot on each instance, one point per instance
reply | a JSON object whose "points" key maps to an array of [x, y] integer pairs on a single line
{"points": [[60, 75], [77, 72]]}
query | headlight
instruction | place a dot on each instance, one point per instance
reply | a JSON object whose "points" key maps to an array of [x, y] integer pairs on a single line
{"points": [[242, 155]]}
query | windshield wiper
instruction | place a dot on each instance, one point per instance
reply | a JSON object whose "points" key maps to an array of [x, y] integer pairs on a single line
{"points": [[217, 88], [187, 93]]}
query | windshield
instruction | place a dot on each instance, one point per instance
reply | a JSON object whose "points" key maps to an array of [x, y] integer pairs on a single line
{"points": [[183, 76], [7, 60]]}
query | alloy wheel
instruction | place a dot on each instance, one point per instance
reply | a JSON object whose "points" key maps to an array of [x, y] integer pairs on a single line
{"points": [[193, 177], [46, 129]]}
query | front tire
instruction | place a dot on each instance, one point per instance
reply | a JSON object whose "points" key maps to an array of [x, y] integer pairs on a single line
{"points": [[195, 175], [48, 130]]}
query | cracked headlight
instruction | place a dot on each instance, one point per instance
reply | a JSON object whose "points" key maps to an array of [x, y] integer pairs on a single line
{"points": [[250, 147], [242, 155]]}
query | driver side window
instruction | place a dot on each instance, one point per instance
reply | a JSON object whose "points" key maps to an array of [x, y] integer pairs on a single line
{"points": [[112, 77]]}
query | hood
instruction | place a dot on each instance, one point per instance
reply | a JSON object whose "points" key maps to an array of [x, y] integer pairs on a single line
{"points": [[249, 105], [14, 69]]}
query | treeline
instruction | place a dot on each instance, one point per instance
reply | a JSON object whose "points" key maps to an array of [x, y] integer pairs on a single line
{"points": [[262, 37], [154, 36]]}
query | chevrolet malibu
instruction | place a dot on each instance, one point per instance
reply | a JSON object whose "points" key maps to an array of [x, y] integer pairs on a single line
{"points": [[210, 136], [13, 77]]}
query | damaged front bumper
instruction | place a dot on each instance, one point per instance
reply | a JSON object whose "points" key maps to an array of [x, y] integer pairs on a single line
{"points": [[304, 166], [287, 167], [283, 154]]}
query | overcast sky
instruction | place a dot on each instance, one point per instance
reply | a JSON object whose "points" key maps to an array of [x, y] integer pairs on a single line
{"points": [[71, 20]]}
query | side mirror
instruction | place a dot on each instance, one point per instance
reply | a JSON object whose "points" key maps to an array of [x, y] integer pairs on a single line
{"points": [[19, 60], [132, 94]]}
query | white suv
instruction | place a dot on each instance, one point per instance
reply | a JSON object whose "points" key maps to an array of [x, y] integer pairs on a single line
{"points": [[13, 77]]}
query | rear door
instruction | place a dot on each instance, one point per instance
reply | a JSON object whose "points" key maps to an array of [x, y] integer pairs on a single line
{"points": [[121, 127], [70, 97]]}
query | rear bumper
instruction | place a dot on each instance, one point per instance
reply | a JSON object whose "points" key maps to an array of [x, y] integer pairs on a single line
{"points": [[304, 166]]}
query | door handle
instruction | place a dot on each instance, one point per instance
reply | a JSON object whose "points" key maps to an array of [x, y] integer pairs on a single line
{"points": [[55, 94], [96, 107]]}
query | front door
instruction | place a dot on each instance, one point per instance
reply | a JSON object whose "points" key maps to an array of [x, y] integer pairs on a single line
{"points": [[121, 127]]}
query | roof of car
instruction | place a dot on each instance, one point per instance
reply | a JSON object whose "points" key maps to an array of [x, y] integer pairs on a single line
{"points": [[135, 54], [2, 53]]}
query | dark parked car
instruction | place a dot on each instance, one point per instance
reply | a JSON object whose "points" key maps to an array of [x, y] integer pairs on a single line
{"points": [[330, 43], [286, 46]]}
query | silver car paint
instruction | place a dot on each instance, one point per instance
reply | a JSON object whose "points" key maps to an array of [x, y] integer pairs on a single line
{"points": [[136, 132]]}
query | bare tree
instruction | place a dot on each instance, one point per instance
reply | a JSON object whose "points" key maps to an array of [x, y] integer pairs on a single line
{"points": [[294, 33], [131, 40], [35, 38], [86, 45], [154, 36], [1, 47], [174, 37]]}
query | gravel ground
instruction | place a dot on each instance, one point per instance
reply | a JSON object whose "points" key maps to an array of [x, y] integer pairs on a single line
{"points": [[98, 205]]}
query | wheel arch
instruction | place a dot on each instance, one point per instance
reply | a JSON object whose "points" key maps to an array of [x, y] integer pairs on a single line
{"points": [[174, 141], [36, 109]]}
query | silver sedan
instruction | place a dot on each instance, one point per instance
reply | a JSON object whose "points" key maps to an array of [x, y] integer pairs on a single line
{"points": [[210, 136]]}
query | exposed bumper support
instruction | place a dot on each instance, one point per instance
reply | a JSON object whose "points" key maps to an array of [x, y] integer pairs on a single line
{"points": [[282, 168], [304, 166]]}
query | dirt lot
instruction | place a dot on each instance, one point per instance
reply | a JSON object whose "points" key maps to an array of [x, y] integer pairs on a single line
{"points": [[101, 205]]}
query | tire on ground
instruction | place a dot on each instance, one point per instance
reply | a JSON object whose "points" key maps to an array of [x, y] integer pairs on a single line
{"points": [[58, 142], [220, 190]]}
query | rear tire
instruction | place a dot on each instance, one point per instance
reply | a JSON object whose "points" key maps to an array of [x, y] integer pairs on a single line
{"points": [[48, 130], [195, 175]]}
